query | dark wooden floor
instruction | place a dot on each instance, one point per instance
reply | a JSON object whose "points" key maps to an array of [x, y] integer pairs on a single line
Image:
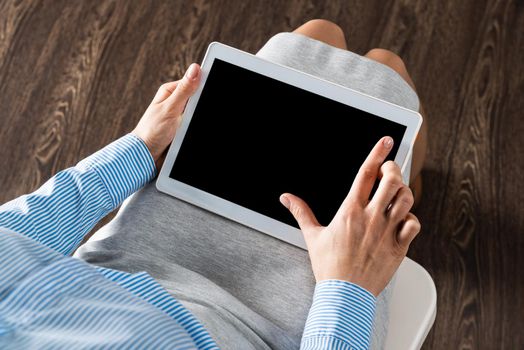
{"points": [[75, 75]]}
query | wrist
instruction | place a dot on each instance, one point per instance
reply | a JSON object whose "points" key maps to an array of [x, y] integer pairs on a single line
{"points": [[153, 149]]}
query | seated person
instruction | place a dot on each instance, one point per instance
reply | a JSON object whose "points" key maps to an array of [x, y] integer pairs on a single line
{"points": [[209, 281]]}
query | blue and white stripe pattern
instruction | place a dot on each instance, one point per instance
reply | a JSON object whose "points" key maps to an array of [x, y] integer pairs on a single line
{"points": [[341, 317], [49, 300]]}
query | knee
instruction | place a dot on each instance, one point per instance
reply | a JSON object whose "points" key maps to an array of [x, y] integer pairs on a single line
{"points": [[393, 61], [388, 58], [326, 26], [324, 30]]}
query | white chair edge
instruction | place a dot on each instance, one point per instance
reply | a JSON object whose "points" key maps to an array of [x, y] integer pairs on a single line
{"points": [[414, 302]]}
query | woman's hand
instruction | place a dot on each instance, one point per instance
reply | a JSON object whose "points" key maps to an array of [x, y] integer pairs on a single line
{"points": [[367, 239], [158, 125]]}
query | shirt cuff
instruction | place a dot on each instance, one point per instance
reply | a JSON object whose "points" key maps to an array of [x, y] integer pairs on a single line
{"points": [[124, 166], [342, 313]]}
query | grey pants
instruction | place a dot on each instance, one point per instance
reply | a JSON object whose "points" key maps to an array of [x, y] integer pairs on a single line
{"points": [[250, 290]]}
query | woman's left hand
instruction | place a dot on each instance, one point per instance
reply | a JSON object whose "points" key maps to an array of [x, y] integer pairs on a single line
{"points": [[158, 125]]}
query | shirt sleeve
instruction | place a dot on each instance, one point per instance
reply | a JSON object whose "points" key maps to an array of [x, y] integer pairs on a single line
{"points": [[341, 317], [65, 208]]}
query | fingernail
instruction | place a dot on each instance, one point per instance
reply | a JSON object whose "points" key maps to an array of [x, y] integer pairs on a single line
{"points": [[388, 142], [192, 71], [285, 201]]}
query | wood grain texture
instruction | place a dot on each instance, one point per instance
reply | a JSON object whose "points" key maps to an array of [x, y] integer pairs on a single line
{"points": [[75, 75]]}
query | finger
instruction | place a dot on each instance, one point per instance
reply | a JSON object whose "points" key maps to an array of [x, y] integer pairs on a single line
{"points": [[408, 231], [185, 89], [165, 91], [300, 211], [368, 172], [389, 185], [401, 205]]}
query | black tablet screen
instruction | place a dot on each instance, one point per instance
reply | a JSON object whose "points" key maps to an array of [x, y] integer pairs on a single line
{"points": [[253, 138]]}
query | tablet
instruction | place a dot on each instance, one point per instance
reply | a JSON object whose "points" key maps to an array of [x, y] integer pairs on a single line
{"points": [[256, 129]]}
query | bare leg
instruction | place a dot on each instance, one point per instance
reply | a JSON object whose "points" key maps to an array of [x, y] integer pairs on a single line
{"points": [[323, 30], [333, 35]]}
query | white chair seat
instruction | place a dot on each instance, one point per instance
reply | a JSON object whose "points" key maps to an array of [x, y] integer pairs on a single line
{"points": [[413, 307]]}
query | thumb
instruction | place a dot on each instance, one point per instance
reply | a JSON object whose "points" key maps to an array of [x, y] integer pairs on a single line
{"points": [[185, 88], [300, 211]]}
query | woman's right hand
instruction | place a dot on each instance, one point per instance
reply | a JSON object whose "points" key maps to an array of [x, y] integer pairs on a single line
{"points": [[367, 239]]}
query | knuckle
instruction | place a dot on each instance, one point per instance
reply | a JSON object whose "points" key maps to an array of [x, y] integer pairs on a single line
{"points": [[413, 225], [406, 197], [385, 166], [350, 213], [353, 212], [368, 173], [183, 86], [165, 87], [391, 167], [297, 211], [407, 202], [392, 181], [187, 88]]}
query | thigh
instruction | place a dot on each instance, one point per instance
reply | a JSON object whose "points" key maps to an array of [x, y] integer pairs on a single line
{"points": [[245, 277]]}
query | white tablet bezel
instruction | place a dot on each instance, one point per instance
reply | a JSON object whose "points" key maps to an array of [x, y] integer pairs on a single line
{"points": [[245, 216]]}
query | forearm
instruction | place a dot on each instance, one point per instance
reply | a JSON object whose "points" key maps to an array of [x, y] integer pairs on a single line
{"points": [[341, 317], [66, 207]]}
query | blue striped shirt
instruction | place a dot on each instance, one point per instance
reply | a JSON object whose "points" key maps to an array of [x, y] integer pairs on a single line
{"points": [[50, 300]]}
